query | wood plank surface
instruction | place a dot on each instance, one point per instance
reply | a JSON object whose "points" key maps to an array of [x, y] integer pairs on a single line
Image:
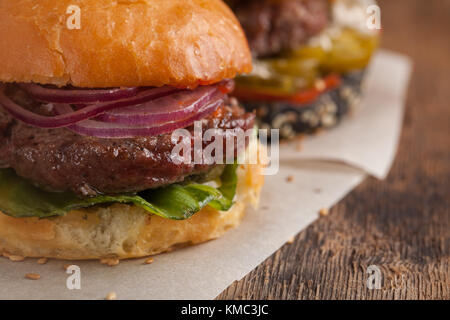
{"points": [[402, 224]]}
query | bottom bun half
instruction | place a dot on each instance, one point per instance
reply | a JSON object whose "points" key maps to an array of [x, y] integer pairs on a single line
{"points": [[123, 231]]}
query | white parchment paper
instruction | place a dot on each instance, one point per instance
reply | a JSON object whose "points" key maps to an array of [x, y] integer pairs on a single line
{"points": [[363, 144]]}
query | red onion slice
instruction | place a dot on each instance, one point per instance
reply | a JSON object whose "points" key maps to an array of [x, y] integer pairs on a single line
{"points": [[56, 95], [149, 112], [82, 114], [116, 131], [174, 107]]}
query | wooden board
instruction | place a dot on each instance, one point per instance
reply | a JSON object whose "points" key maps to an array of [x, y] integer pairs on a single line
{"points": [[401, 225]]}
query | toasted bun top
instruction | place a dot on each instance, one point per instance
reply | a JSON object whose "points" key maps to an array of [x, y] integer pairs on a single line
{"points": [[181, 43]]}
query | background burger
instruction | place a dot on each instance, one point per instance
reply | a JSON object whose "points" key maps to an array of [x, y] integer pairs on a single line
{"points": [[86, 117], [310, 57]]}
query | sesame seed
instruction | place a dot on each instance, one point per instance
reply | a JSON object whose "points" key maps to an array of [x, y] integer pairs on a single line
{"points": [[149, 261], [110, 262], [324, 212], [42, 261], [114, 262], [111, 296], [33, 276], [16, 258], [291, 240], [290, 179]]}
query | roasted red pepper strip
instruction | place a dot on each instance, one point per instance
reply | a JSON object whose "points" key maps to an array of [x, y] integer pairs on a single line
{"points": [[301, 98]]}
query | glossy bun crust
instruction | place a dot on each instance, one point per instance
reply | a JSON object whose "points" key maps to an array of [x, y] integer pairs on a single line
{"points": [[181, 43]]}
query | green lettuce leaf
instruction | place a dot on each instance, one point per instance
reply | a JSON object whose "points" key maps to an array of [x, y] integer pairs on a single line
{"points": [[20, 198]]}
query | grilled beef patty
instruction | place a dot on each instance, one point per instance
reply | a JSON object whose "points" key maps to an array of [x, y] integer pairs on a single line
{"points": [[60, 160], [273, 26]]}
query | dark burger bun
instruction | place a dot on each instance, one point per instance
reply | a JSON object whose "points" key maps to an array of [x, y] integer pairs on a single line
{"points": [[121, 43], [324, 112]]}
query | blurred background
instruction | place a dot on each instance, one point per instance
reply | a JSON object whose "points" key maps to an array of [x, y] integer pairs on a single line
{"points": [[404, 221]]}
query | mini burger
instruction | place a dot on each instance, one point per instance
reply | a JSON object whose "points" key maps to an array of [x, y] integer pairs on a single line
{"points": [[86, 121], [310, 57]]}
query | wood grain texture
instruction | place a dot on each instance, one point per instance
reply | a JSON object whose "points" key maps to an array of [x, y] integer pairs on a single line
{"points": [[402, 225]]}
